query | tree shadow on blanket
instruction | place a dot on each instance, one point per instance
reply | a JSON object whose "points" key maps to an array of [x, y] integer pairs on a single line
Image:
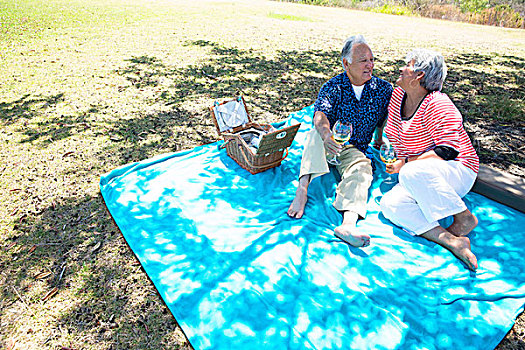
{"points": [[227, 264]]}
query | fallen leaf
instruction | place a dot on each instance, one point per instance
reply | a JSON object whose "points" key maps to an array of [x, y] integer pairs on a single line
{"points": [[43, 275], [50, 294], [96, 247]]}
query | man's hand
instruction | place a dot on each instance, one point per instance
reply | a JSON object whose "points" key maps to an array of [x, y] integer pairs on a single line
{"points": [[331, 146], [395, 167]]}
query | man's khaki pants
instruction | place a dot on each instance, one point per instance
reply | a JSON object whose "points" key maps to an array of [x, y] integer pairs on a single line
{"points": [[355, 170]]}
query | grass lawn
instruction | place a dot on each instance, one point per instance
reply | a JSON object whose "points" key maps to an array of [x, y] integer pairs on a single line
{"points": [[87, 86]]}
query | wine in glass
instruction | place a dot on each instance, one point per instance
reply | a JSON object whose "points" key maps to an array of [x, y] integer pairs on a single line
{"points": [[387, 153], [341, 133]]}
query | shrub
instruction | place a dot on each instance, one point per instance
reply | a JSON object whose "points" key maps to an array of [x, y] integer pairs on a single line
{"points": [[473, 6], [392, 9], [487, 12], [500, 15], [449, 12]]}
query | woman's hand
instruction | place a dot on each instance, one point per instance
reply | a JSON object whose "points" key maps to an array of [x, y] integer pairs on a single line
{"points": [[395, 167], [331, 146]]}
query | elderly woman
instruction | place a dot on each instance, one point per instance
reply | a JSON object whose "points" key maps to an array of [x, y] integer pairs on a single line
{"points": [[436, 162]]}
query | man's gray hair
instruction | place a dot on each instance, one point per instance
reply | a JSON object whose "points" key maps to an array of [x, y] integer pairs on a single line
{"points": [[349, 45], [432, 64]]}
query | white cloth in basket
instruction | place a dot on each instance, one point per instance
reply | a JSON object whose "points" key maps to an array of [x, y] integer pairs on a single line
{"points": [[230, 115]]}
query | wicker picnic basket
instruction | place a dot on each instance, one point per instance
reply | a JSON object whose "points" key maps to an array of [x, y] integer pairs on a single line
{"points": [[233, 122]]}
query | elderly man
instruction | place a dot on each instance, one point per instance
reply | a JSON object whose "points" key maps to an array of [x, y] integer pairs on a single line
{"points": [[357, 97]]}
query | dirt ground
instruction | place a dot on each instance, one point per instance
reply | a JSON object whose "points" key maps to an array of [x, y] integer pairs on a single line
{"points": [[90, 86]]}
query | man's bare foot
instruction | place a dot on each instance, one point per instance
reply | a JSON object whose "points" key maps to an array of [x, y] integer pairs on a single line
{"points": [[463, 223], [460, 247], [296, 209], [349, 234]]}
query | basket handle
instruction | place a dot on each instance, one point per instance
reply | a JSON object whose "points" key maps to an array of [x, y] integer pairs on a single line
{"points": [[225, 144], [262, 166]]}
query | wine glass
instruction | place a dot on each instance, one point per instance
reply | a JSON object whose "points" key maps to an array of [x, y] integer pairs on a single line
{"points": [[387, 153], [341, 133]]}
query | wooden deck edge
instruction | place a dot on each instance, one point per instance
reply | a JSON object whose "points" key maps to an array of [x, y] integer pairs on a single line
{"points": [[503, 188]]}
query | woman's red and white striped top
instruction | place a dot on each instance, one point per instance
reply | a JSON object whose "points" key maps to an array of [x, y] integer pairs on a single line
{"points": [[437, 122]]}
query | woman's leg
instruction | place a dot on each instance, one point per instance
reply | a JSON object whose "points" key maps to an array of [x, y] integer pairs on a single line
{"points": [[463, 223], [459, 246], [438, 186], [398, 206]]}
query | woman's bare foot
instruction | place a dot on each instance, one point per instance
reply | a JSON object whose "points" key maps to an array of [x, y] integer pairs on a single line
{"points": [[348, 233], [463, 223], [459, 246], [296, 209]]}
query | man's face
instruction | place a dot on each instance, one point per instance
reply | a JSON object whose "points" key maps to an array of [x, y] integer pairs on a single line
{"points": [[360, 70]]}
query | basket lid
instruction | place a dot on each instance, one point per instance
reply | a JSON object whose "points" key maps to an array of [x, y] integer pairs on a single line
{"points": [[277, 140], [230, 114]]}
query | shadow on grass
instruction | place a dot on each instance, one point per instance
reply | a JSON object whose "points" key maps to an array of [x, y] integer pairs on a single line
{"points": [[80, 252], [40, 125], [27, 107], [488, 86], [487, 89]]}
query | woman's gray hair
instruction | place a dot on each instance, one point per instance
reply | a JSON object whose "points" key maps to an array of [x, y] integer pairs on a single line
{"points": [[349, 45], [432, 64]]}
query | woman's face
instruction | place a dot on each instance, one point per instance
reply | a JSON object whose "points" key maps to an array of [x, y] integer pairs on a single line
{"points": [[407, 74]]}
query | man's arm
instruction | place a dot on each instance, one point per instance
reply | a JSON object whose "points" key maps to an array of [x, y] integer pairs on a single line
{"points": [[378, 136], [322, 125]]}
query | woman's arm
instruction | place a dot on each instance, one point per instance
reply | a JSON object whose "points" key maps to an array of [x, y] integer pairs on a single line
{"points": [[440, 152]]}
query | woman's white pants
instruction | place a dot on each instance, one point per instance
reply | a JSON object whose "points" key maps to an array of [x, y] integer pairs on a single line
{"points": [[428, 190]]}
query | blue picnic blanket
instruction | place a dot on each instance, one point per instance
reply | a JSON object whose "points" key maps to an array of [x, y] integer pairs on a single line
{"points": [[238, 273]]}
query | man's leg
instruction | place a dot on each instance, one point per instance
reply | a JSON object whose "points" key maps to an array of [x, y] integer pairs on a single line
{"points": [[352, 195], [347, 231], [313, 164], [296, 209]]}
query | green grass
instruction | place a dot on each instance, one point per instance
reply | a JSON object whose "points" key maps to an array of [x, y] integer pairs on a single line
{"points": [[289, 17], [87, 86]]}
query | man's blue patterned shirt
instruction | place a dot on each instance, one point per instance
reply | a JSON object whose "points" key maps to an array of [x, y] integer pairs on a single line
{"points": [[337, 101]]}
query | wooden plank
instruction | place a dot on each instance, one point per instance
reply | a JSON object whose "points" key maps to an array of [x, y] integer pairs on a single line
{"points": [[501, 187]]}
